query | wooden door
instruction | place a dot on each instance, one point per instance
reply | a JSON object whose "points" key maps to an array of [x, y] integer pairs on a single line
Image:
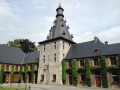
{"points": [[98, 82], [7, 76], [70, 80]]}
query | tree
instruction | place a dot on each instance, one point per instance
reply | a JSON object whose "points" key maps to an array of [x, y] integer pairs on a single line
{"points": [[14, 43], [27, 46], [24, 44], [74, 72]]}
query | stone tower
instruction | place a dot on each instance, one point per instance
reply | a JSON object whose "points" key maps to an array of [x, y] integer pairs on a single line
{"points": [[53, 50]]}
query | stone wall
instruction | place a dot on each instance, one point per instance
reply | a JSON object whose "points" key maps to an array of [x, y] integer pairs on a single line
{"points": [[48, 66]]}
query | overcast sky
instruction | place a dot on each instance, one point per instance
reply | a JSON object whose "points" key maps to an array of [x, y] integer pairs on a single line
{"points": [[32, 19]]}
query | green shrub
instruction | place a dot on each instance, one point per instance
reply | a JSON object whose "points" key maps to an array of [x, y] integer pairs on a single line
{"points": [[104, 72], [88, 72], [74, 72], [64, 72]]}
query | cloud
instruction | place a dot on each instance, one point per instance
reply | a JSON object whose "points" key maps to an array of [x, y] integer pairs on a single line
{"points": [[32, 19]]}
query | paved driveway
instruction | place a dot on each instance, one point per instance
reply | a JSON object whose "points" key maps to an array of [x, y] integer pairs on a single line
{"points": [[55, 87]]}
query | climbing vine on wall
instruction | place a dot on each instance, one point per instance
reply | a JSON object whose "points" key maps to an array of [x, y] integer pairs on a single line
{"points": [[32, 73], [2, 73], [64, 72], [12, 73], [88, 72], [26, 73], [104, 72], [74, 72]]}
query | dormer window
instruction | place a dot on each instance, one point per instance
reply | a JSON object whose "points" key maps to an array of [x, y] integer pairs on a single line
{"points": [[97, 51], [63, 33], [62, 24]]}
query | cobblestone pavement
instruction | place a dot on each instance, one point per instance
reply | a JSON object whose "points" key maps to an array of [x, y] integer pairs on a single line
{"points": [[55, 87]]}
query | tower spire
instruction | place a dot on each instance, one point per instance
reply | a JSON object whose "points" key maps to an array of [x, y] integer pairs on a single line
{"points": [[59, 11], [60, 29]]}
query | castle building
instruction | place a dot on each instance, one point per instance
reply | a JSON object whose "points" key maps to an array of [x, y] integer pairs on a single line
{"points": [[91, 63]]}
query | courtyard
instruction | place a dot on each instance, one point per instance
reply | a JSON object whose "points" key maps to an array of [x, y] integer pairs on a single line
{"points": [[53, 87]]}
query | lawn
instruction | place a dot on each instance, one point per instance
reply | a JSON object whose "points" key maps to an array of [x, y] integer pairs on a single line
{"points": [[9, 88]]}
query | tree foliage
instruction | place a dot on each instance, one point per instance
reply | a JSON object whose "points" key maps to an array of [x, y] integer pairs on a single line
{"points": [[88, 72], [64, 72], [25, 45], [74, 72], [104, 72]]}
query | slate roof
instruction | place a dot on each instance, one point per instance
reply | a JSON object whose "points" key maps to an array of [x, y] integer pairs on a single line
{"points": [[12, 55], [32, 57], [87, 49]]}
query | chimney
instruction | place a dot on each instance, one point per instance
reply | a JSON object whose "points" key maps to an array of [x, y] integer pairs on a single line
{"points": [[106, 42], [95, 39]]}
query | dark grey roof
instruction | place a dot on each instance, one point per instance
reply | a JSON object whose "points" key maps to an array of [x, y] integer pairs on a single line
{"points": [[87, 49], [32, 57], [59, 28], [11, 55]]}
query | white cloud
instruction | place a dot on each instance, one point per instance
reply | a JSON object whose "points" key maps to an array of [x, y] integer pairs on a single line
{"points": [[32, 19]]}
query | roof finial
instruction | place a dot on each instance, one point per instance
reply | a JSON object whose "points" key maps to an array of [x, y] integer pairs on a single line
{"points": [[59, 4]]}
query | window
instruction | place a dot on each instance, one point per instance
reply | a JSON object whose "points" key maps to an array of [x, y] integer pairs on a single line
{"points": [[82, 81], [55, 57], [113, 60], [96, 62], [7, 67], [97, 51], [82, 63], [42, 78], [54, 78], [69, 64], [55, 45], [16, 67], [63, 55], [43, 58], [63, 45], [44, 47], [115, 78], [30, 67]]}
